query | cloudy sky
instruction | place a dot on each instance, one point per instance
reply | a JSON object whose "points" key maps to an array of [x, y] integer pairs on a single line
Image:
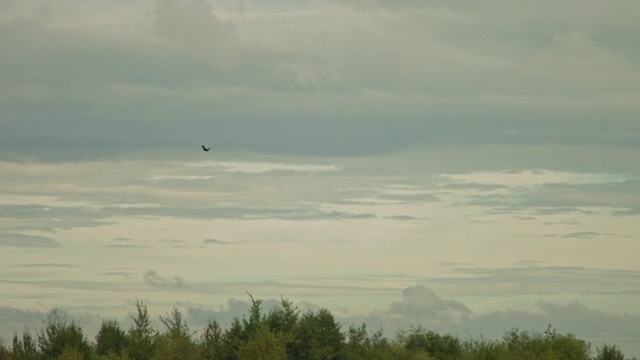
{"points": [[469, 165]]}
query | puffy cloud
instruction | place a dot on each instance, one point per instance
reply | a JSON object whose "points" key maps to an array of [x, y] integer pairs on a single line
{"points": [[422, 303]]}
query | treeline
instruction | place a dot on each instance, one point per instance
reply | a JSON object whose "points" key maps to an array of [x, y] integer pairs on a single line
{"points": [[283, 333]]}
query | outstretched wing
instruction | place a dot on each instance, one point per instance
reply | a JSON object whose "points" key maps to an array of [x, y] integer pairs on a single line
{"points": [[205, 149]]}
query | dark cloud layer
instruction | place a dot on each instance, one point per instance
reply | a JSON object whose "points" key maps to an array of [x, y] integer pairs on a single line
{"points": [[188, 74]]}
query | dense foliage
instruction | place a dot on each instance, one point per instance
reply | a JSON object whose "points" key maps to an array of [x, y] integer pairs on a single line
{"points": [[281, 334]]}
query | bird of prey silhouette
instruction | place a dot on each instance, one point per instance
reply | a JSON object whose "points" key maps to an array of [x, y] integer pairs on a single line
{"points": [[205, 148]]}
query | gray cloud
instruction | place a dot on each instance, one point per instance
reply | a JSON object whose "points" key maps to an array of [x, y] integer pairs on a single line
{"points": [[48, 219], [52, 218], [403, 217], [627, 212], [595, 326], [247, 82], [47, 265], [422, 304], [561, 198], [215, 241], [125, 246], [541, 280], [17, 321], [410, 197], [587, 235], [590, 324], [152, 278], [21, 240]]}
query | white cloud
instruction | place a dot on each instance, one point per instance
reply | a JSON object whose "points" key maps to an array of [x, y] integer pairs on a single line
{"points": [[261, 167]]}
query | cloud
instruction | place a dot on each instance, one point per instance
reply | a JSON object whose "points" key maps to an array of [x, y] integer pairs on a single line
{"points": [[423, 304], [403, 217], [48, 265], [545, 192], [267, 79], [17, 321], [125, 246], [542, 280], [191, 23], [24, 241], [215, 241], [590, 324], [152, 278], [253, 167], [587, 235]]}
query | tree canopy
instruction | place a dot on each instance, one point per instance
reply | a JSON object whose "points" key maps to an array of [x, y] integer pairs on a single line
{"points": [[282, 333]]}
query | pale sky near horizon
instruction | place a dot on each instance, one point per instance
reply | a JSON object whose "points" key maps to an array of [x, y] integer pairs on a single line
{"points": [[469, 165]]}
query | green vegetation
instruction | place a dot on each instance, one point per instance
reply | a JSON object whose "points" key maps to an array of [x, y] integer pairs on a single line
{"points": [[281, 334]]}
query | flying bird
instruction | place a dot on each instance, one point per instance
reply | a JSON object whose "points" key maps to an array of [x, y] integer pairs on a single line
{"points": [[205, 148]]}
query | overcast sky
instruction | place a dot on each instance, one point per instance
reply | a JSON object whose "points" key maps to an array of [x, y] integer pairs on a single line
{"points": [[472, 165]]}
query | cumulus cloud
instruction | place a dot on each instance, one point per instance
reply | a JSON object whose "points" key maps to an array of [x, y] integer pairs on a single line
{"points": [[595, 326], [421, 303], [17, 321], [421, 306]]}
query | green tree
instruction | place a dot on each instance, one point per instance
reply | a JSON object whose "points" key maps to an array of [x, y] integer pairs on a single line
{"points": [[358, 345], [211, 346], [318, 337], [568, 347], [440, 347], [523, 345], [283, 319], [609, 352], [256, 319], [264, 344], [485, 349], [550, 346], [24, 348], [233, 339], [111, 338], [59, 334], [5, 353], [141, 337], [70, 353], [177, 341]]}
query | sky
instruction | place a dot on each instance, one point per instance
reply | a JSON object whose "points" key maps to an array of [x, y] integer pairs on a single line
{"points": [[471, 166]]}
